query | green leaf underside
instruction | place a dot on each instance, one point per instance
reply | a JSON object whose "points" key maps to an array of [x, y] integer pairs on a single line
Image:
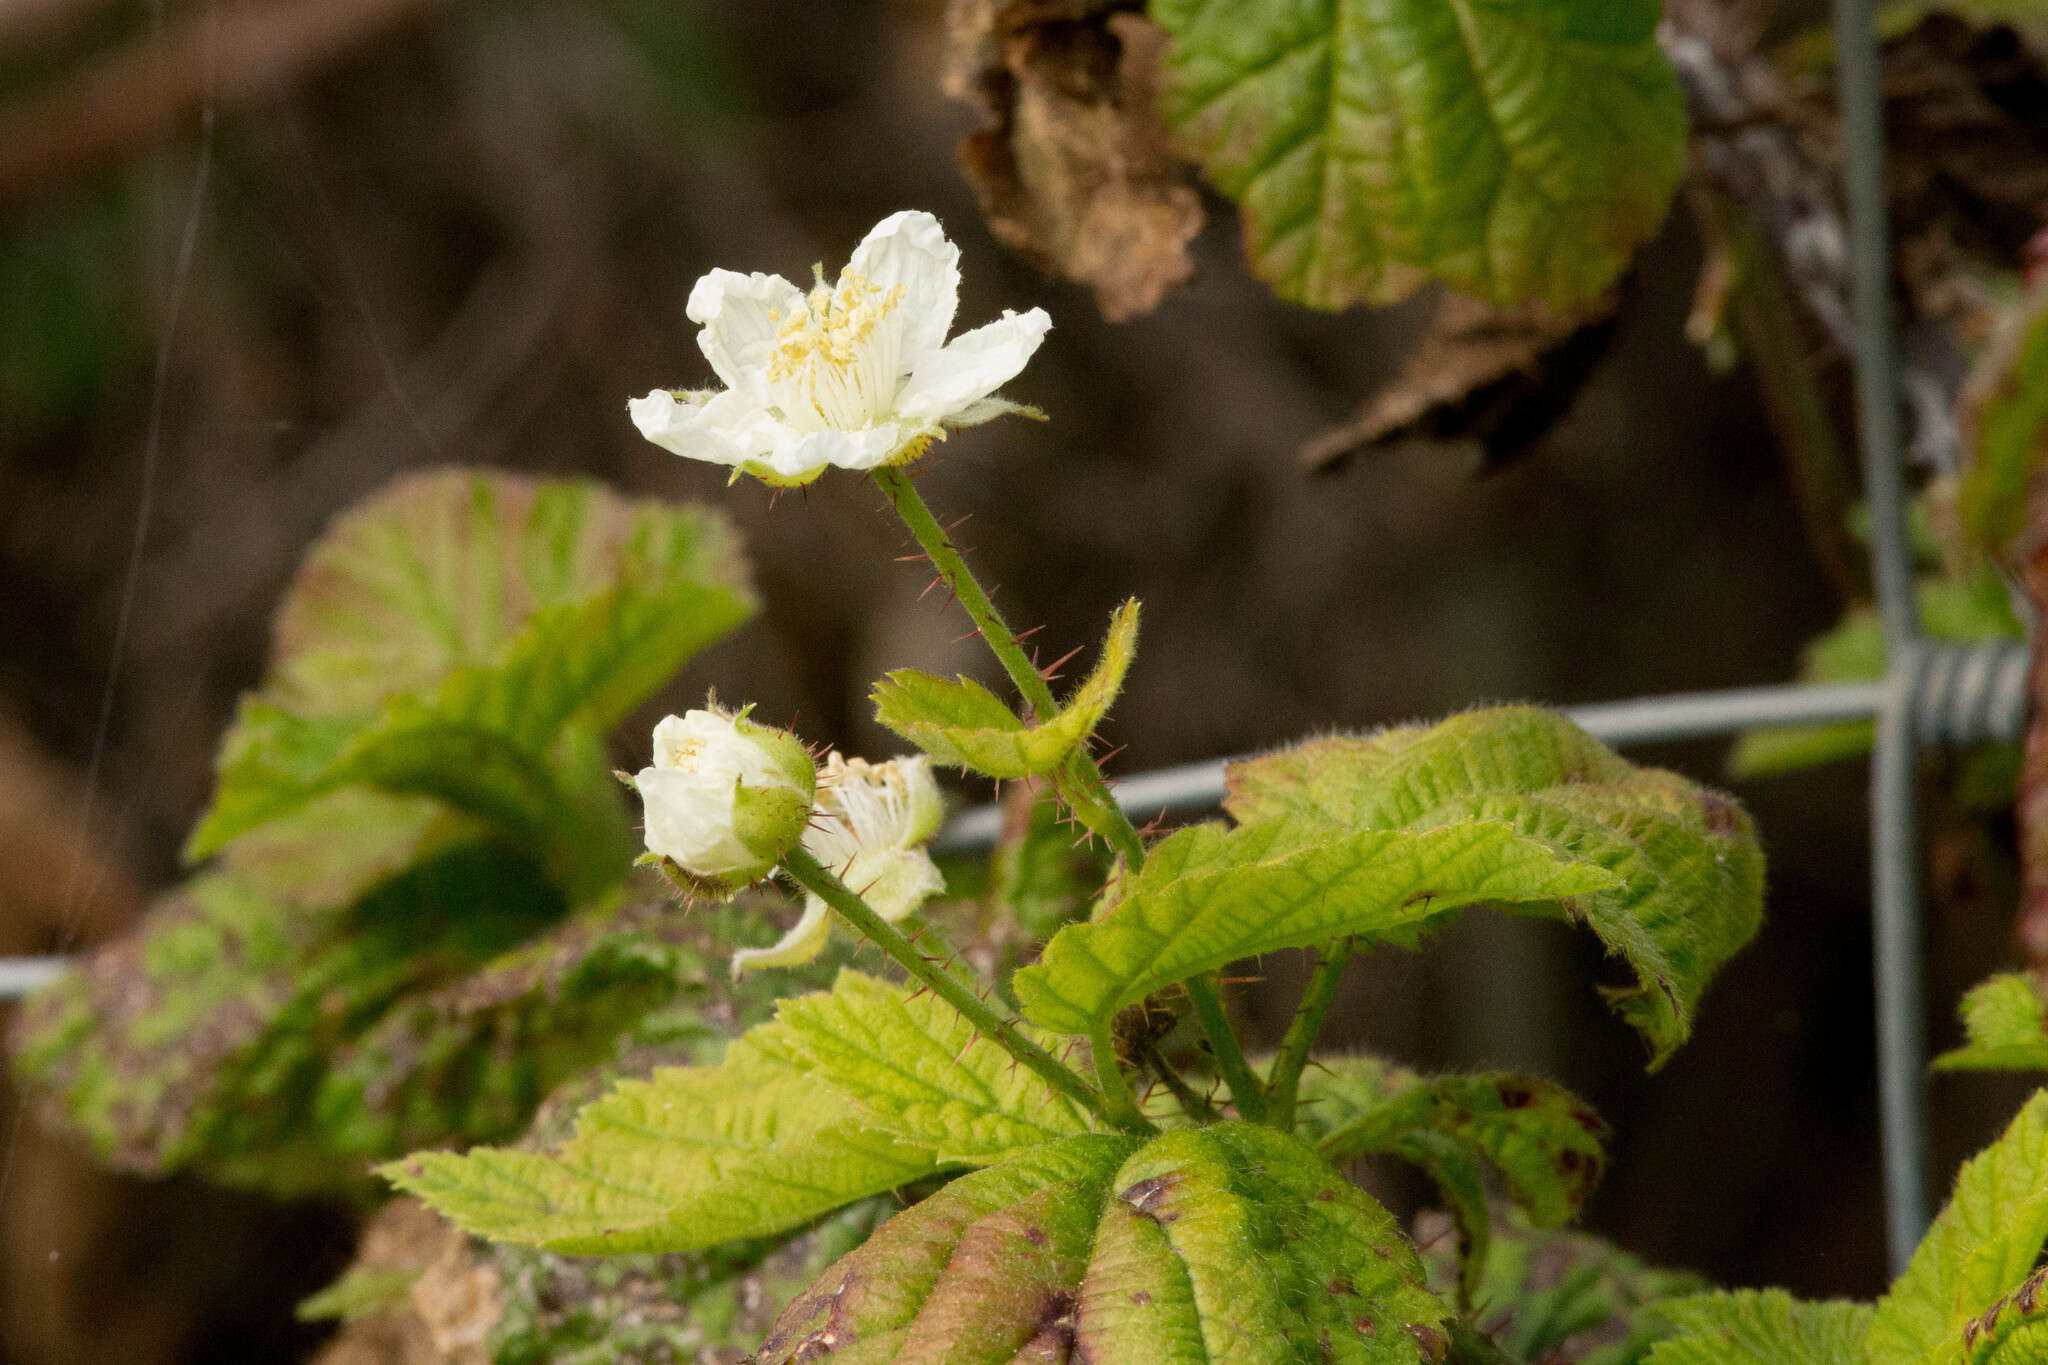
{"points": [[964, 725], [442, 638], [1553, 1295], [692, 1157], [1981, 1249], [2004, 1018], [1767, 1327], [1545, 1142], [1515, 149], [1208, 896], [1226, 1244], [1688, 873], [915, 1068]]}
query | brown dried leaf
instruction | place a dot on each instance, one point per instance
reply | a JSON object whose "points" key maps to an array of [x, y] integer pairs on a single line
{"points": [[1501, 376], [1075, 172]]}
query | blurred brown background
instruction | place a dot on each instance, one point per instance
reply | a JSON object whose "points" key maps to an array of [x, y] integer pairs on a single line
{"points": [[463, 232]]}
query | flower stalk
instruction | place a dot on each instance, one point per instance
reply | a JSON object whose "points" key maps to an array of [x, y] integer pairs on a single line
{"points": [[817, 879]]}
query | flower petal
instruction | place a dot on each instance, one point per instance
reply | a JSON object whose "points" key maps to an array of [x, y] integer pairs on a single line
{"points": [[726, 428], [868, 448], [689, 819], [739, 317], [910, 249], [800, 945], [972, 366], [894, 882]]}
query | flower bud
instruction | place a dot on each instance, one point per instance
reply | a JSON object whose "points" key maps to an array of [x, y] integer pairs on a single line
{"points": [[725, 798]]}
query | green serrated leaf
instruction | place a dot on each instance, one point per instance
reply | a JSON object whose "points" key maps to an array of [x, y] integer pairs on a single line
{"points": [[1981, 1248], [914, 1068], [1226, 1244], [1688, 873], [1767, 1327], [2007, 1023], [1208, 896], [690, 1158], [1546, 1143], [1515, 149], [963, 724]]}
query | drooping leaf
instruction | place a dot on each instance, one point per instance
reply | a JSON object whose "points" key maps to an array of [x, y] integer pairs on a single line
{"points": [[1515, 149], [1545, 1142], [1226, 1244], [1767, 1327], [1208, 896], [692, 1157], [442, 639], [1982, 1248], [2007, 1023], [1687, 889], [1558, 1297], [913, 1067], [963, 724]]}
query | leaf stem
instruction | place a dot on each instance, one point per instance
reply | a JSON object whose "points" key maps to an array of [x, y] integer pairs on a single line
{"points": [[815, 877], [1080, 780], [1192, 1103], [1205, 992], [1284, 1081], [1121, 1102]]}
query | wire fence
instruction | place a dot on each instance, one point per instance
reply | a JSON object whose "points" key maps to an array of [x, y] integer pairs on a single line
{"points": [[1933, 694]]}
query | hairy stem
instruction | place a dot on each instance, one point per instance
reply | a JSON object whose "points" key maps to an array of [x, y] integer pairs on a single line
{"points": [[1246, 1092], [813, 876], [1193, 1104], [1284, 1082], [1080, 780], [1121, 1105]]}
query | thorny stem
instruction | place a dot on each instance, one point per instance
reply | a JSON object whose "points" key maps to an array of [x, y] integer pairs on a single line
{"points": [[1121, 1104], [1080, 780], [1246, 1092], [1193, 1104], [815, 877], [1284, 1082]]}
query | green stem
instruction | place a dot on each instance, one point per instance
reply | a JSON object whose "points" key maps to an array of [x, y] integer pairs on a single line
{"points": [[813, 876], [1120, 1103], [1080, 780], [1246, 1092], [1284, 1082], [1194, 1105]]}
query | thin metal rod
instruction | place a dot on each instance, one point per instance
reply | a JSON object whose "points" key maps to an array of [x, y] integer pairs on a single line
{"points": [[1870, 298], [1683, 715], [1896, 950]]}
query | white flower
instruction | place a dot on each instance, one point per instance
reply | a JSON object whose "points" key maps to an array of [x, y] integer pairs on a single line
{"points": [[856, 374], [869, 827], [725, 798]]}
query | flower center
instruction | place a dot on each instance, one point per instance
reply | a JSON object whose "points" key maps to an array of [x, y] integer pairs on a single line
{"points": [[835, 364]]}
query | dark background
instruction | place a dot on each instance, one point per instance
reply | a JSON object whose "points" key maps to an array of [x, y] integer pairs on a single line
{"points": [[466, 235]]}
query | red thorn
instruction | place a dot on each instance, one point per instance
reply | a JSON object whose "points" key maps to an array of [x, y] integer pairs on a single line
{"points": [[968, 636], [912, 559], [1111, 754], [928, 588], [1050, 671], [1027, 634], [953, 526]]}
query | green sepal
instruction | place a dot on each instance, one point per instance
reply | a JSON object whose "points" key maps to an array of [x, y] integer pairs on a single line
{"points": [[2007, 1023]]}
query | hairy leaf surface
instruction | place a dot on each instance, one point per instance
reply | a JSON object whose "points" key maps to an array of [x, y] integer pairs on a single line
{"points": [[1687, 889], [1208, 896], [692, 1157], [1981, 1248], [963, 724], [1226, 1244], [1515, 149], [1767, 1327], [2007, 1022], [913, 1067]]}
